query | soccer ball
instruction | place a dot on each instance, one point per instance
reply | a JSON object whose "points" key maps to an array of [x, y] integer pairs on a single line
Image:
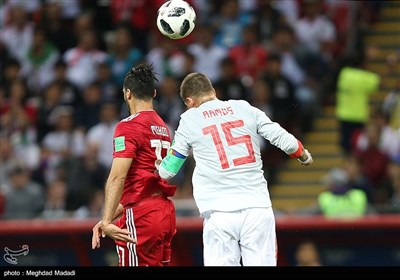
{"points": [[176, 19]]}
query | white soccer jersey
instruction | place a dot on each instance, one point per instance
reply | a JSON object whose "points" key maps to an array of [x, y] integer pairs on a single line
{"points": [[228, 175]]}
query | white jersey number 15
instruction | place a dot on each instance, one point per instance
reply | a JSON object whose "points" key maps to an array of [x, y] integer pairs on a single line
{"points": [[231, 140]]}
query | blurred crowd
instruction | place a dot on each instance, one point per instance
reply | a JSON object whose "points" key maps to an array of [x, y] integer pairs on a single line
{"points": [[63, 64]]}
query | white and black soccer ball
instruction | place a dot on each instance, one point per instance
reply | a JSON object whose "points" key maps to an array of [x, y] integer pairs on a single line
{"points": [[176, 19]]}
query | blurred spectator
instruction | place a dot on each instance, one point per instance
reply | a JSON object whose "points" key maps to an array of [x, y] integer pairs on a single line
{"points": [[315, 32], [56, 197], [250, 57], [11, 71], [18, 124], [39, 61], [307, 254], [316, 45], [391, 106], [167, 59], [69, 9], [7, 159], [17, 112], [204, 9], [208, 55], [342, 16], [229, 22], [123, 54], [354, 85], [305, 86], [25, 146], [268, 19], [356, 178], [84, 23], [248, 6], [289, 9], [50, 99], [17, 34], [368, 13], [87, 112], [82, 61], [138, 14], [261, 97], [70, 93], [83, 175], [375, 161], [169, 103], [282, 98], [2, 204], [4, 12], [101, 11], [24, 198], [32, 7], [110, 92], [388, 197], [62, 143], [93, 209], [339, 199], [57, 29], [230, 86], [188, 64], [389, 138], [99, 138]]}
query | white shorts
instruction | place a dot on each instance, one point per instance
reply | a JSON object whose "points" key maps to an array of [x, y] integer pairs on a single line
{"points": [[245, 237]]}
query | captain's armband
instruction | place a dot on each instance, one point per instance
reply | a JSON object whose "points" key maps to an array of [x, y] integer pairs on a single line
{"points": [[172, 163]]}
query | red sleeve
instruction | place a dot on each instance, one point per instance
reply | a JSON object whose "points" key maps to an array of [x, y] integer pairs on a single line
{"points": [[124, 144], [298, 151]]}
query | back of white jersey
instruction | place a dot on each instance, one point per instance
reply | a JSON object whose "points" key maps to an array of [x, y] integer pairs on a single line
{"points": [[224, 137]]}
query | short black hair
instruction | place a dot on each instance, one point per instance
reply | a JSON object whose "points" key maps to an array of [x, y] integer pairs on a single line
{"points": [[140, 80]]}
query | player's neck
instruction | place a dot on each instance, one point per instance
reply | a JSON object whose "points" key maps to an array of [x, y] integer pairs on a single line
{"points": [[139, 106], [206, 99]]}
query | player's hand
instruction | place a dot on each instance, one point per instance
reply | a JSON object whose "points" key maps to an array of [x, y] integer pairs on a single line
{"points": [[308, 160], [97, 232], [117, 233]]}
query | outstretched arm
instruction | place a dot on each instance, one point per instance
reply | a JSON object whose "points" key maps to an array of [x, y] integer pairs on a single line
{"points": [[281, 138]]}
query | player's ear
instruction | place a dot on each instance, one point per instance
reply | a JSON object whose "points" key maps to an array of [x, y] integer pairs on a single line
{"points": [[128, 94], [189, 102], [155, 93]]}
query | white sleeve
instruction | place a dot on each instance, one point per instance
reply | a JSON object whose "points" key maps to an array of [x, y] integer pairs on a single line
{"points": [[165, 174], [181, 142], [274, 133]]}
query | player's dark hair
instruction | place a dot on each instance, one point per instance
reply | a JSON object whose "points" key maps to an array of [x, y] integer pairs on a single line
{"points": [[195, 85], [140, 80]]}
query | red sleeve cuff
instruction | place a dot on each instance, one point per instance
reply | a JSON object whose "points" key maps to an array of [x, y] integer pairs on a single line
{"points": [[298, 152]]}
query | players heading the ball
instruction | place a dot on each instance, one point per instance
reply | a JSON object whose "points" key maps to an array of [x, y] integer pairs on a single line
{"points": [[134, 192], [229, 186]]}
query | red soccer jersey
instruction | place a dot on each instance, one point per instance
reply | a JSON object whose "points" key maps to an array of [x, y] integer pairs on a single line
{"points": [[145, 138]]}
